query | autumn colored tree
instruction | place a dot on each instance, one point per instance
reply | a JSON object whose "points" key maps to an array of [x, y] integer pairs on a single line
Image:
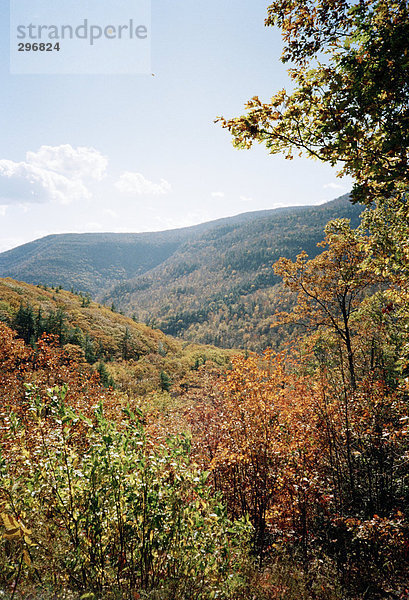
{"points": [[47, 366], [330, 287], [319, 477], [350, 102], [247, 461], [256, 435], [349, 107], [387, 254], [91, 501]]}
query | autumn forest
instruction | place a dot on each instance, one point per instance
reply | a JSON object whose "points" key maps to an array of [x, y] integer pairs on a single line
{"points": [[249, 438]]}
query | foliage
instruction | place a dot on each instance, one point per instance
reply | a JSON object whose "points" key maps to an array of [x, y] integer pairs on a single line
{"points": [[202, 283], [165, 381], [106, 379], [350, 101], [330, 287], [307, 448], [219, 288], [321, 473], [107, 510], [312, 444], [132, 354]]}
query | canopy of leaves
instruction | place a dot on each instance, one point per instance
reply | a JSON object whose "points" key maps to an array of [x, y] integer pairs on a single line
{"points": [[350, 100]]}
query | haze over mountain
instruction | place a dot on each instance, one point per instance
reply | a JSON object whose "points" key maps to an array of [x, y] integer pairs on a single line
{"points": [[188, 282]]}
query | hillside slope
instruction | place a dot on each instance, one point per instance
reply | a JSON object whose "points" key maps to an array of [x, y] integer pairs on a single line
{"points": [[219, 287], [210, 283], [91, 262], [138, 358], [95, 262]]}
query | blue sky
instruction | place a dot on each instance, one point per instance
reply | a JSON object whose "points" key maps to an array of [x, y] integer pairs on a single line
{"points": [[141, 152]]}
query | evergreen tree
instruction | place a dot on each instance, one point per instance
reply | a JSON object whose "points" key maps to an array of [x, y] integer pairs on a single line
{"points": [[24, 323], [126, 345], [165, 381], [89, 350], [39, 324], [106, 379]]}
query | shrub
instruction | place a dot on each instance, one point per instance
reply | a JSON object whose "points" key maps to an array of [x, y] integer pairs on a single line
{"points": [[99, 508]]}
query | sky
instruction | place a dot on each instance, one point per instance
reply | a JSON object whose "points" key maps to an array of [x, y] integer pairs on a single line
{"points": [[131, 152]]}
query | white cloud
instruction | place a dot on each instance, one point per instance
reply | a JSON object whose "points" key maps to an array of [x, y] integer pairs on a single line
{"points": [[135, 183], [3, 209], [333, 186], [218, 194], [76, 163], [54, 173], [23, 183], [246, 199]]}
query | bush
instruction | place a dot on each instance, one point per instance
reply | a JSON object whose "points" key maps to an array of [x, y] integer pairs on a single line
{"points": [[96, 507]]}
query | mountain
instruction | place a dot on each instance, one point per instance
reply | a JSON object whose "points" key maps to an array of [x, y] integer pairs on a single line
{"points": [[219, 287], [89, 261], [211, 283], [94, 262]]}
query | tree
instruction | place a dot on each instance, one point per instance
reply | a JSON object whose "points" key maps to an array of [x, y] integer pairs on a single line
{"points": [[242, 438], [329, 287], [350, 103], [165, 381], [126, 344], [387, 254], [24, 323], [89, 350], [55, 324], [106, 379]]}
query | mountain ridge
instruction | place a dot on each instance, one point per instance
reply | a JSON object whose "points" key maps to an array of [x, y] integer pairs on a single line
{"points": [[202, 282], [88, 268], [210, 288]]}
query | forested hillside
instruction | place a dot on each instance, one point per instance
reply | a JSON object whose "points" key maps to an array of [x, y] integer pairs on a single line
{"points": [[211, 283], [89, 262], [128, 355], [94, 262], [135, 466], [220, 288]]}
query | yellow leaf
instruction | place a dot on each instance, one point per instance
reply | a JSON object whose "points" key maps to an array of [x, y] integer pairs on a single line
{"points": [[12, 534], [26, 558], [9, 521], [25, 530]]}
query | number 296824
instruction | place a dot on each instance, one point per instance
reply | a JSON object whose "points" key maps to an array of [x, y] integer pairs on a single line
{"points": [[36, 47]]}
